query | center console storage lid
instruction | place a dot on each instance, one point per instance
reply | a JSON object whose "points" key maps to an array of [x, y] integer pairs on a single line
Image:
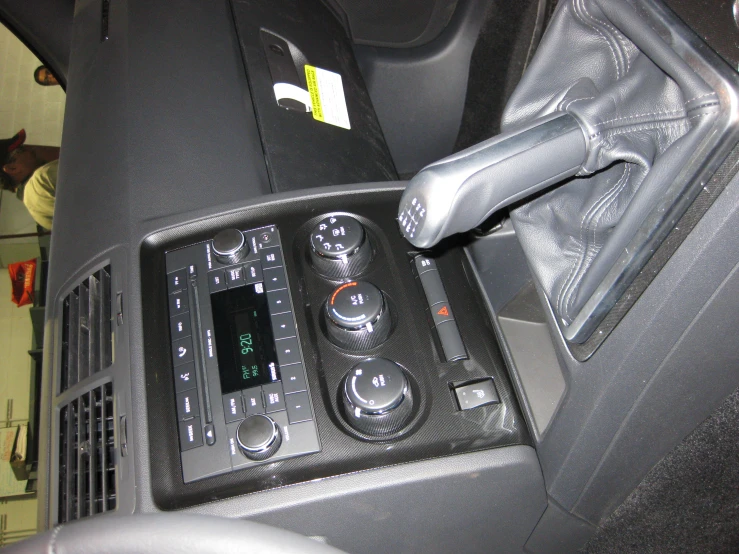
{"points": [[318, 127]]}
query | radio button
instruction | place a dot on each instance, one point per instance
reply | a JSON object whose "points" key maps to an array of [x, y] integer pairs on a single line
{"points": [[274, 279], [178, 303], [182, 351], [288, 351], [232, 408], [177, 281], [271, 257], [180, 326], [184, 377], [293, 378], [187, 405], [279, 302], [253, 273], [253, 401], [216, 281], [273, 397], [283, 326], [191, 435], [235, 277], [298, 407]]}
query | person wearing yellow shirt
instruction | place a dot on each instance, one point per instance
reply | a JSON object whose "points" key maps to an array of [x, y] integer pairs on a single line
{"points": [[31, 170]]}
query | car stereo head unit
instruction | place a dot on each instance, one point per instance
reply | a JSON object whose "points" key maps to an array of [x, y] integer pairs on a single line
{"points": [[241, 391]]}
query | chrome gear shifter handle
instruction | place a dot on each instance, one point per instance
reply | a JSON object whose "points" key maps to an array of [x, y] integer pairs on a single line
{"points": [[458, 193]]}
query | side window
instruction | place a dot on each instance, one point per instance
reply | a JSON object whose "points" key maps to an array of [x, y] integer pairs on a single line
{"points": [[31, 116]]}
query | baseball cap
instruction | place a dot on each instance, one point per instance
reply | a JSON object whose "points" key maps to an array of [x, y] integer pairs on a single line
{"points": [[6, 147]]}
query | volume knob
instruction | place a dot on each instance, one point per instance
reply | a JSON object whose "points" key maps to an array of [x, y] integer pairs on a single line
{"points": [[229, 246], [258, 437], [339, 247]]}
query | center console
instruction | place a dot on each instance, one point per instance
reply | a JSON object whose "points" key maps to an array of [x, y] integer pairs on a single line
{"points": [[283, 347]]}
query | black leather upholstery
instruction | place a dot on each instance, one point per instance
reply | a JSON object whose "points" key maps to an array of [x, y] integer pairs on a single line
{"points": [[644, 110], [171, 533]]}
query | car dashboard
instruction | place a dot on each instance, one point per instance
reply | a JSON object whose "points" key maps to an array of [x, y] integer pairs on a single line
{"points": [[217, 248]]}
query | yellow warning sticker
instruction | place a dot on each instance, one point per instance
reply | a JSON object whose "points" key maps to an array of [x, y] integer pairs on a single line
{"points": [[327, 96]]}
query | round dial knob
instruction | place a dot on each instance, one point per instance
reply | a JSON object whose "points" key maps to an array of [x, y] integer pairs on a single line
{"points": [[339, 247], [356, 316], [258, 437], [229, 246], [377, 397]]}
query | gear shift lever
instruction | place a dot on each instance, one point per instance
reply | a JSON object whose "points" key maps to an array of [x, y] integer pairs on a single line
{"points": [[459, 192]]}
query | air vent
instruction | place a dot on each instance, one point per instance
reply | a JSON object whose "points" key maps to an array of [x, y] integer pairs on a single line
{"points": [[87, 455], [87, 342]]}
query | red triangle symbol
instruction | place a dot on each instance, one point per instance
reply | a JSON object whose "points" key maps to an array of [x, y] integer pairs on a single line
{"points": [[443, 311]]}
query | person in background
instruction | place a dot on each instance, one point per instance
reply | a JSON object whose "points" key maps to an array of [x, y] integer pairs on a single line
{"points": [[30, 171], [44, 77]]}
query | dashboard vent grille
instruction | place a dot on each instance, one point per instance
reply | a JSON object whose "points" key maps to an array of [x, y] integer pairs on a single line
{"points": [[87, 342], [87, 480]]}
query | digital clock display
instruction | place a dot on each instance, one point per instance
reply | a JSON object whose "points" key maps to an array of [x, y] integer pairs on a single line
{"points": [[244, 339]]}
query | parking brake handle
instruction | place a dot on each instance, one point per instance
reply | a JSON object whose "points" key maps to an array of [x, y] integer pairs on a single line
{"points": [[458, 193]]}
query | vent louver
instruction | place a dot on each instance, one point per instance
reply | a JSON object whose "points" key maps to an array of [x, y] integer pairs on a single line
{"points": [[87, 344], [87, 480]]}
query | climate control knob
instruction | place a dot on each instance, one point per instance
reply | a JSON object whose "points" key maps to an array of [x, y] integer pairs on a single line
{"points": [[258, 437], [356, 316], [339, 247], [229, 246], [377, 397]]}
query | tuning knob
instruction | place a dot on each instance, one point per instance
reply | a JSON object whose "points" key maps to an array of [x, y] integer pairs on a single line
{"points": [[229, 246], [356, 316], [339, 247], [258, 437], [377, 397]]}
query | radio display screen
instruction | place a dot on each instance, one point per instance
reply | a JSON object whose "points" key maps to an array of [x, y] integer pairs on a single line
{"points": [[244, 340]]}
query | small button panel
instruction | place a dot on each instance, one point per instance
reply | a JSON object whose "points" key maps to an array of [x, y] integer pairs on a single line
{"points": [[204, 442], [182, 351], [177, 281], [253, 401], [191, 434], [440, 311], [178, 303], [474, 395], [184, 377], [179, 326], [217, 281], [235, 277], [298, 407], [233, 409], [187, 405]]}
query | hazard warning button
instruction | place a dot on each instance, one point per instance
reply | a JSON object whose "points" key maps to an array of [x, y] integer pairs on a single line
{"points": [[441, 312]]}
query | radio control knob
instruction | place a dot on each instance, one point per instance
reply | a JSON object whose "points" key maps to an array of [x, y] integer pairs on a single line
{"points": [[356, 316], [377, 397], [258, 437], [229, 246], [339, 247]]}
